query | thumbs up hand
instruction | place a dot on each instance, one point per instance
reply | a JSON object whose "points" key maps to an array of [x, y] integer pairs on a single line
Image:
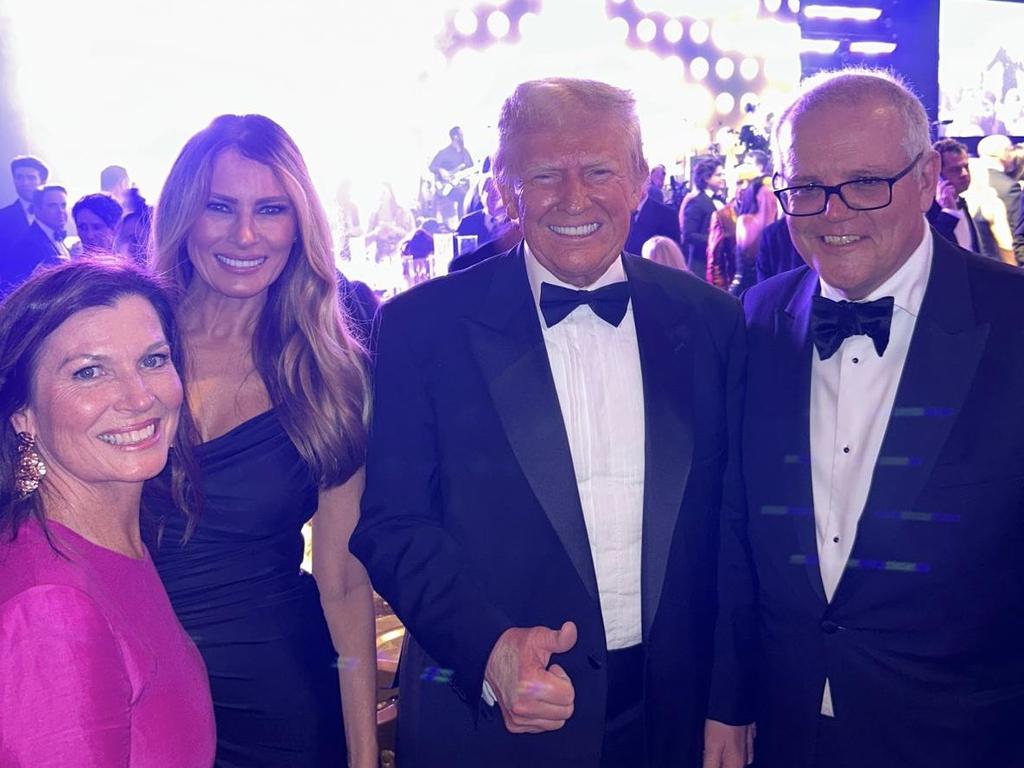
{"points": [[533, 697]]}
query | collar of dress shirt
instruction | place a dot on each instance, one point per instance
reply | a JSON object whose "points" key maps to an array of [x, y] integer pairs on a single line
{"points": [[709, 192], [538, 274], [47, 230], [906, 285]]}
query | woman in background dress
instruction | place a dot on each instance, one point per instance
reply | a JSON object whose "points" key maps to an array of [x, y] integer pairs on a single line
{"points": [[280, 398], [95, 669]]}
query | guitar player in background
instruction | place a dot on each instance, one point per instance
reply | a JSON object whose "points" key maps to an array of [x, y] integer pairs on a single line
{"points": [[452, 168]]}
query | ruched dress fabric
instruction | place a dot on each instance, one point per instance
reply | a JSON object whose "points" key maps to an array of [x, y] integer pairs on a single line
{"points": [[95, 670], [240, 593]]}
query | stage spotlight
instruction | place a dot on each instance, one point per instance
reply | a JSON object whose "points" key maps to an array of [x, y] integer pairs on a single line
{"points": [[621, 28], [816, 45], [699, 32], [794, 6], [677, 65], [646, 30], [466, 22], [749, 68], [772, 6], [841, 13], [872, 47], [498, 24], [724, 68], [724, 102], [527, 24], [699, 68], [673, 30]]}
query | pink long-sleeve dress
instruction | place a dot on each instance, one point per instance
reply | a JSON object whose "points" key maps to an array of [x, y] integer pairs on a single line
{"points": [[95, 669]]}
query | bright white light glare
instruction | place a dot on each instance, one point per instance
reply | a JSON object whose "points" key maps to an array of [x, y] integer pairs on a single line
{"points": [[620, 28], [618, 2], [699, 68], [794, 6], [815, 45], [673, 30], [749, 68], [697, 9], [646, 30], [677, 66], [466, 22], [527, 23], [841, 13], [699, 32], [498, 24], [724, 68], [724, 102], [772, 5], [872, 47]]}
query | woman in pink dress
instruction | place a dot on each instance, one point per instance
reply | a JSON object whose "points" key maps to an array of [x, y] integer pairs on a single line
{"points": [[95, 669]]}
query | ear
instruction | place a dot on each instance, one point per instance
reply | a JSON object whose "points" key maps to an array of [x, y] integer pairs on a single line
{"points": [[931, 164], [508, 197], [24, 421]]}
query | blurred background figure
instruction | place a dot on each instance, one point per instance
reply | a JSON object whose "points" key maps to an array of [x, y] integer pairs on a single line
{"points": [[388, 225], [133, 236], [348, 219], [97, 220], [28, 174], [949, 213], [417, 252], [279, 396], [42, 245], [755, 209], [996, 156], [95, 670], [651, 218], [697, 210], [453, 169], [665, 251], [655, 187], [115, 182]]}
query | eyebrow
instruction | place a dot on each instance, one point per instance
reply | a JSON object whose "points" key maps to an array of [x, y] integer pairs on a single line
{"points": [[859, 173], [259, 201], [88, 357]]}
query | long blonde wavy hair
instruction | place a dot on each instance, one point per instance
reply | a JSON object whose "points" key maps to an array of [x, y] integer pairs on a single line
{"points": [[311, 365]]}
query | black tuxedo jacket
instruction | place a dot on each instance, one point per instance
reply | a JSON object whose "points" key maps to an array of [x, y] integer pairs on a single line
{"points": [[942, 222], [696, 227], [13, 226], [475, 223], [922, 640], [34, 249], [652, 219], [472, 523], [776, 253]]}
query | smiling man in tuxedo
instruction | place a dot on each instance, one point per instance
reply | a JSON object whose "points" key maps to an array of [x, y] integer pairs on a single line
{"points": [[884, 456], [552, 469]]}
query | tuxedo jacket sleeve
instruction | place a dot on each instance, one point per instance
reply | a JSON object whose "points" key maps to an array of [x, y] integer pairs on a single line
{"points": [[943, 223]]}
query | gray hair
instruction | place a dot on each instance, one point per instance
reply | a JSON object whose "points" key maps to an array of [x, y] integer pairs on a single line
{"points": [[558, 103], [854, 86]]}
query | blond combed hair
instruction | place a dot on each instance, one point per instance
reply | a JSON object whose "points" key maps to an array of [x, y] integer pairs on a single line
{"points": [[311, 365]]}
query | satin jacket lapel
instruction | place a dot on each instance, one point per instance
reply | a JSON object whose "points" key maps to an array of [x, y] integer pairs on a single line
{"points": [[507, 342], [666, 363], [944, 353], [793, 374]]}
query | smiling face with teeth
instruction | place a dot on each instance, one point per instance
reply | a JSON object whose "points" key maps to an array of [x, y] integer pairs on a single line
{"points": [[243, 238], [574, 191], [856, 251], [104, 399]]}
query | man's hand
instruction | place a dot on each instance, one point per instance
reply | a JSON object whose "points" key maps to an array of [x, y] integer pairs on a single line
{"points": [[728, 746], [945, 195], [533, 697]]}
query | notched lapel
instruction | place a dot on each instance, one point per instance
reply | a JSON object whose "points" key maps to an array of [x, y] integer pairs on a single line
{"points": [[666, 363], [509, 347]]}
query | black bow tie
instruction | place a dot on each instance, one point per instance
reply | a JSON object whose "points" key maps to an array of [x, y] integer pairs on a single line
{"points": [[59, 235], [834, 321], [609, 303]]}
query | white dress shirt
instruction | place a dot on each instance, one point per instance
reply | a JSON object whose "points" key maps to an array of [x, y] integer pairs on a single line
{"points": [[27, 207], [962, 230], [596, 368], [852, 395]]}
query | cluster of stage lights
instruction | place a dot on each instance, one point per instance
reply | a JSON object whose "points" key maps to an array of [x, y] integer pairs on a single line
{"points": [[827, 46]]}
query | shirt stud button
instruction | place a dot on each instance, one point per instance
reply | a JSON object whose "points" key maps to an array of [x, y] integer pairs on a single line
{"points": [[846, 449]]}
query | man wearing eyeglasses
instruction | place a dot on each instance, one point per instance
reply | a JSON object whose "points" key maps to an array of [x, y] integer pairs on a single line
{"points": [[884, 456]]}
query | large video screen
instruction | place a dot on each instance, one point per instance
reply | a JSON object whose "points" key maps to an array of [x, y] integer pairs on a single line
{"points": [[981, 67]]}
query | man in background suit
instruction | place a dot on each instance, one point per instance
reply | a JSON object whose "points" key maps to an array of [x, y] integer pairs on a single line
{"points": [[29, 174], [775, 252], [948, 213], [996, 153], [884, 456], [651, 218], [551, 471], [697, 210], [43, 242]]}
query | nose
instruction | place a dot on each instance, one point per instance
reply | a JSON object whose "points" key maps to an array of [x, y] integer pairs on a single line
{"points": [[836, 209], [243, 233], [135, 395], [574, 194]]}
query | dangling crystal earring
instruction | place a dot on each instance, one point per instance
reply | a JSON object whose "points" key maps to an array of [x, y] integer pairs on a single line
{"points": [[30, 469]]}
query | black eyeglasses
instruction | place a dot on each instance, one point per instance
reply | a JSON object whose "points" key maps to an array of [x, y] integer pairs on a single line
{"points": [[865, 194]]}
